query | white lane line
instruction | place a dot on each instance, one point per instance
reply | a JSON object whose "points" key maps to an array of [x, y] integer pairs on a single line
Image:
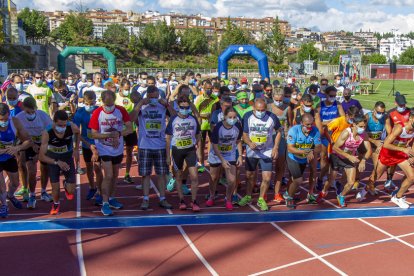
{"points": [[188, 240], [329, 254], [79, 248], [301, 245]]}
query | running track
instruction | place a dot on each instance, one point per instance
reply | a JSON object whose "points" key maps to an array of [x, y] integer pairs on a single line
{"points": [[370, 238]]}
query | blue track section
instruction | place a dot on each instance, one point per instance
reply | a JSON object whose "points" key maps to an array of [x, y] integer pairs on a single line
{"points": [[198, 219]]}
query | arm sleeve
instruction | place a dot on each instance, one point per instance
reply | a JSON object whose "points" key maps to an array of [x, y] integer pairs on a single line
{"points": [[246, 123], [240, 131], [94, 122], [291, 139], [77, 118], [125, 115], [317, 138], [215, 134]]}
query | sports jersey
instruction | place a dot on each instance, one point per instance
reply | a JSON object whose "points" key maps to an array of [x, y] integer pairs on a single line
{"points": [[351, 144], [16, 110], [60, 147], [42, 94], [60, 100], [242, 111], [151, 131], [104, 122], [23, 95], [375, 128], [329, 113], [399, 118], [301, 141], [35, 127], [71, 88], [226, 141], [183, 131], [127, 104], [98, 91], [260, 132], [205, 109], [7, 139], [336, 127], [81, 119]]}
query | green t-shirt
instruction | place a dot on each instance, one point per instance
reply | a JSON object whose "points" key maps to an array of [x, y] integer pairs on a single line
{"points": [[41, 94], [126, 103], [241, 111], [206, 110], [316, 101]]}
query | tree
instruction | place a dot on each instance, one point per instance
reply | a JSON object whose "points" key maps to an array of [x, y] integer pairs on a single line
{"points": [[76, 29], [194, 42], [410, 35], [407, 57], [377, 58], [1, 31], [308, 51], [158, 38], [275, 44], [334, 60], [34, 24], [233, 35], [116, 34]]}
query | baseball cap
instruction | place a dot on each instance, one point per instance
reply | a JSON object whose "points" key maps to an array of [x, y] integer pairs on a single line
{"points": [[255, 80], [257, 87], [400, 99], [243, 80], [241, 95]]}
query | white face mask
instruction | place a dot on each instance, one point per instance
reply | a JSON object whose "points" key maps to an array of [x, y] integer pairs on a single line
{"points": [[70, 82], [84, 76]]}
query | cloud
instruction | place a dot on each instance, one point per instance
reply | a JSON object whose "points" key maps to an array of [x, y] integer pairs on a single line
{"points": [[398, 3]]}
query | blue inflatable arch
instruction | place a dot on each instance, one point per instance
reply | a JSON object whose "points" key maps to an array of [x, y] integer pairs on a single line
{"points": [[243, 50]]}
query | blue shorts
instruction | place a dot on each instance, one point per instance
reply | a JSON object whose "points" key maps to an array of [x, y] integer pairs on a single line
{"points": [[324, 141], [266, 164]]}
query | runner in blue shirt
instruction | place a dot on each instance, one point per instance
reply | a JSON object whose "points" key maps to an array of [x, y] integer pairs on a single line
{"points": [[304, 145]]}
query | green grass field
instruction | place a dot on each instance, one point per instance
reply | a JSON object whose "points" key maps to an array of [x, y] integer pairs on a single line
{"points": [[383, 88]]}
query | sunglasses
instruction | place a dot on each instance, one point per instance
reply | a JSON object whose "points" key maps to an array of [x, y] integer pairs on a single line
{"points": [[184, 107]]}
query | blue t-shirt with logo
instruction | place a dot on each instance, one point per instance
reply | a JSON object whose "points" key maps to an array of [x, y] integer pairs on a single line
{"points": [[301, 141]]}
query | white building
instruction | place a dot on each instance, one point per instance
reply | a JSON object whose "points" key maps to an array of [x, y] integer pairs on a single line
{"points": [[395, 46]]}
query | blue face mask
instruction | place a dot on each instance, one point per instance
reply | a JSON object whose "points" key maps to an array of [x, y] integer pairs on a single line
{"points": [[12, 103], [184, 112], [191, 81], [231, 87], [4, 124], [153, 101], [286, 100], [90, 108], [31, 117], [360, 130], [260, 114], [60, 129], [231, 122]]}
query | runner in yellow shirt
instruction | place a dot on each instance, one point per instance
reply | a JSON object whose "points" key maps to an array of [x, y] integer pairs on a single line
{"points": [[41, 92]]}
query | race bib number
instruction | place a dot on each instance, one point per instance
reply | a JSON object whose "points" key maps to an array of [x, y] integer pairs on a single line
{"points": [[39, 98], [153, 126], [5, 146], [400, 144], [375, 135], [59, 150], [303, 147], [37, 139], [258, 139], [89, 134], [183, 143], [225, 148], [349, 151]]}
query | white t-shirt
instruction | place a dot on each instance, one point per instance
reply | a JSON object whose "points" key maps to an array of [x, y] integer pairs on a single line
{"points": [[226, 140], [151, 127], [35, 128], [98, 91]]}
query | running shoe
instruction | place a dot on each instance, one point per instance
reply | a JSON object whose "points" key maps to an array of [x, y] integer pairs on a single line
{"points": [[67, 194], [98, 200], [341, 201], [371, 189], [245, 200], [16, 203], [234, 199], [210, 202], [46, 197], [128, 179], [164, 204], [185, 189], [171, 184], [138, 187], [182, 205], [311, 199], [355, 186], [319, 184], [55, 209], [290, 203], [389, 185], [229, 205], [80, 171], [201, 169], [194, 206], [91, 194], [361, 195], [31, 203], [4, 211], [261, 203], [285, 195], [106, 209], [22, 191], [401, 202], [113, 203], [26, 197], [278, 198], [145, 204], [223, 181], [321, 196]]}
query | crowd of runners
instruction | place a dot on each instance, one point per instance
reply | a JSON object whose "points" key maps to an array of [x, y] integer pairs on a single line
{"points": [[177, 125]]}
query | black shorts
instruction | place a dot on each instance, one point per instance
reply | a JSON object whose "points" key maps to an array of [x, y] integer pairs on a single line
{"points": [[215, 165], [131, 139], [54, 171], [10, 165], [338, 163], [362, 149], [114, 159], [87, 155], [266, 164], [180, 155], [295, 169], [204, 134]]}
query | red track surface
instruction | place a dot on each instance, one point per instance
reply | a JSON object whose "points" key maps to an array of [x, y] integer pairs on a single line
{"points": [[353, 246]]}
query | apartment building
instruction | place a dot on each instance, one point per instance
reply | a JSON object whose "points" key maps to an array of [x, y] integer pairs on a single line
{"points": [[395, 46]]}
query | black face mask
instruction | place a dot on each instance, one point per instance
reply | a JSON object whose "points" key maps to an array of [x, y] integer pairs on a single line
{"points": [[347, 98]]}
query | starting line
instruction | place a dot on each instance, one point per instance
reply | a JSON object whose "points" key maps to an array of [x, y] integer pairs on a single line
{"points": [[198, 219]]}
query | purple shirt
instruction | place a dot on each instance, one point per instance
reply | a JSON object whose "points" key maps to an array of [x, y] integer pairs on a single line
{"points": [[347, 105]]}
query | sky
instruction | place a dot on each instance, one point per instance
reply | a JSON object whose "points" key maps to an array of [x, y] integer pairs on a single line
{"points": [[319, 15]]}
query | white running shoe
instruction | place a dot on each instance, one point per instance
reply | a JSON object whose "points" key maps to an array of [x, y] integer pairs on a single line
{"points": [[400, 202], [361, 195]]}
